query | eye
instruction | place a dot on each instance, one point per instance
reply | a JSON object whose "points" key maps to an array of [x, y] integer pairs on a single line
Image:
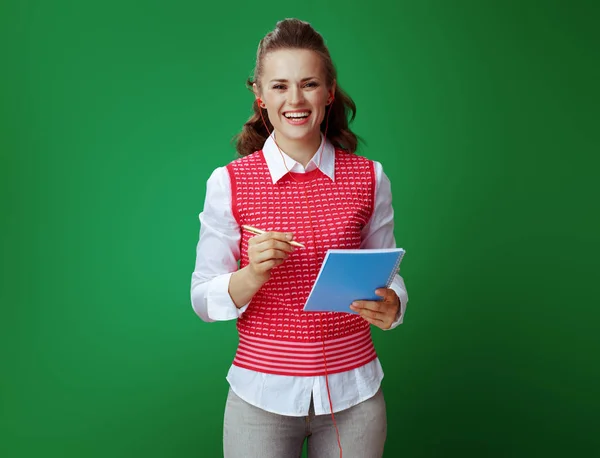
{"points": [[279, 87], [312, 84]]}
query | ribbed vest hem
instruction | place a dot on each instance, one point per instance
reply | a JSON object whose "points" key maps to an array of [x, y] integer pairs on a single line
{"points": [[300, 358]]}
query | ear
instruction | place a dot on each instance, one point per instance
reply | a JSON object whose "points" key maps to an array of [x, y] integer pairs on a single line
{"points": [[256, 91], [332, 92], [257, 96]]}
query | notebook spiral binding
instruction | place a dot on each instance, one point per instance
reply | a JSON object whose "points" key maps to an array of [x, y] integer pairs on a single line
{"points": [[395, 269]]}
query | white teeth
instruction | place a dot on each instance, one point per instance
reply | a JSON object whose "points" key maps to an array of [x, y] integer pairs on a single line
{"points": [[297, 115]]}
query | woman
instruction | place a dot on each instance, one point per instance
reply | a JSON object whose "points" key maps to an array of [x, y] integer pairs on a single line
{"points": [[296, 376]]}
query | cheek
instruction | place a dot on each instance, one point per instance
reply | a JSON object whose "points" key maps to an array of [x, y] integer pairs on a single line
{"points": [[320, 99], [273, 107], [320, 107], [324, 96], [273, 113], [320, 111]]}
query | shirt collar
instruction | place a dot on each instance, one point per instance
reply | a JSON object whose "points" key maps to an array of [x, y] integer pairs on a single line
{"points": [[278, 169]]}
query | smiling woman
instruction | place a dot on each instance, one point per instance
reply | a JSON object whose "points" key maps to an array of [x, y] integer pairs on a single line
{"points": [[296, 375], [295, 93], [294, 73]]}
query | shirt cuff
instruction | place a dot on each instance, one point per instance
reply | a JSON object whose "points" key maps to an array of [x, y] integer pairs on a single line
{"points": [[219, 305], [398, 287]]}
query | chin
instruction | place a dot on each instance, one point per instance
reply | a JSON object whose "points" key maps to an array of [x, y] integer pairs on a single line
{"points": [[296, 134]]}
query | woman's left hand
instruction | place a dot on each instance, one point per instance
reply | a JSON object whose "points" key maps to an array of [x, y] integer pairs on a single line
{"points": [[380, 313]]}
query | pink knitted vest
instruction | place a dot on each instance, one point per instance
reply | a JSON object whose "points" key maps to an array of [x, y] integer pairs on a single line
{"points": [[276, 335]]}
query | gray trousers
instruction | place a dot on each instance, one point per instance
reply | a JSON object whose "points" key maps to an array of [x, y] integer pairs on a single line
{"points": [[250, 432]]}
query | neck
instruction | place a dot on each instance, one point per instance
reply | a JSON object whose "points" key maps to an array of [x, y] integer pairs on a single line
{"points": [[302, 151]]}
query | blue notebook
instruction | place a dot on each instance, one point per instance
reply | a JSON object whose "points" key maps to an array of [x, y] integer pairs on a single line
{"points": [[350, 275]]}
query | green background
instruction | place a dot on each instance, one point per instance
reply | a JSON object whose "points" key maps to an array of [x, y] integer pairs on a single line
{"points": [[485, 117]]}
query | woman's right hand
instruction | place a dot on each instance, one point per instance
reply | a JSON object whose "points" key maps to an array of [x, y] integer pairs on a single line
{"points": [[266, 251]]}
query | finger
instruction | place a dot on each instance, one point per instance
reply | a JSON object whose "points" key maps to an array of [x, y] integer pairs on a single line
{"points": [[262, 256], [387, 294], [376, 306], [378, 323], [269, 249], [366, 313], [283, 236], [268, 265], [274, 244]]}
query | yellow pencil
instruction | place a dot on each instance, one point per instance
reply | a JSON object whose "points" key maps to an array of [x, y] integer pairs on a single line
{"points": [[260, 231]]}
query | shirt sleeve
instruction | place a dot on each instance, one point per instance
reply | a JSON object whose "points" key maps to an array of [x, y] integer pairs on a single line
{"points": [[217, 253], [379, 233]]}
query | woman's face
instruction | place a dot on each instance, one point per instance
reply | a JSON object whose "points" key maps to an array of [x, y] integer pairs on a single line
{"points": [[295, 93]]}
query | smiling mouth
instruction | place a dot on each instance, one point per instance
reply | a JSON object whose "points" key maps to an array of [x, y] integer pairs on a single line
{"points": [[297, 115]]}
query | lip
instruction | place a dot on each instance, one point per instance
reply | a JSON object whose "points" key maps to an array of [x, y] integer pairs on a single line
{"points": [[297, 122]]}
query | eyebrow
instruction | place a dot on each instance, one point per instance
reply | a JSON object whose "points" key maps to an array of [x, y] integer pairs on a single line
{"points": [[285, 81]]}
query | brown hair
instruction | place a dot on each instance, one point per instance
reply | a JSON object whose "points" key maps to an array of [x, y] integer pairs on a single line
{"points": [[297, 34]]}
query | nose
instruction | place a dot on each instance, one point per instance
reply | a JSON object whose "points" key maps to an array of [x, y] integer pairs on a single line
{"points": [[296, 96]]}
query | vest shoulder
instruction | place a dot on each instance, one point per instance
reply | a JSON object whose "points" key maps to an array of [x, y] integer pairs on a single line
{"points": [[350, 158], [247, 161]]}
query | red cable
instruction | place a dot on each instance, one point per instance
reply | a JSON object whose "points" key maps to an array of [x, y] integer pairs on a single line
{"points": [[337, 432]]}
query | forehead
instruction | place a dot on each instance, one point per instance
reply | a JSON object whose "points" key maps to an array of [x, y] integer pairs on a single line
{"points": [[292, 64]]}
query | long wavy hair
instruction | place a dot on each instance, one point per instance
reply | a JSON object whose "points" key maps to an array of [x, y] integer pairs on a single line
{"points": [[297, 34]]}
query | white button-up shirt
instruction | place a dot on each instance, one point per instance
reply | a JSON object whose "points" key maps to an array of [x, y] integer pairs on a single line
{"points": [[217, 255]]}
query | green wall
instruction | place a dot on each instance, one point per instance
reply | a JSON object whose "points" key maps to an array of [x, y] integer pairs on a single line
{"points": [[112, 117]]}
